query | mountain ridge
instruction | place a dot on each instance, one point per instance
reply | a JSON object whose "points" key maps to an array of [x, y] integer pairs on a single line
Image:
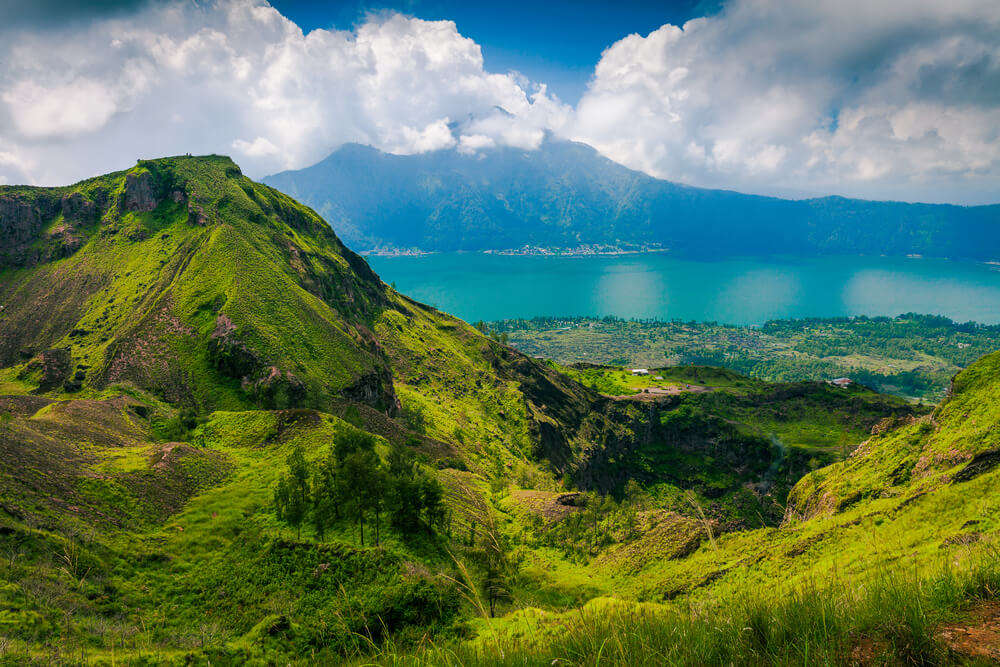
{"points": [[178, 341], [565, 194]]}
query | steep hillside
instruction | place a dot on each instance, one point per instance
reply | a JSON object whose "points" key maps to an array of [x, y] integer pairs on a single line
{"points": [[182, 277], [224, 439], [186, 280], [566, 195], [888, 557]]}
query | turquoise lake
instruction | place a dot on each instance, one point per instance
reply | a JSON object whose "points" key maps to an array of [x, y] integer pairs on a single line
{"points": [[478, 286]]}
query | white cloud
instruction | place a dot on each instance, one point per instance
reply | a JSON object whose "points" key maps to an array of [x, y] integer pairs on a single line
{"points": [[855, 97], [236, 76], [66, 109], [473, 143], [435, 136], [876, 99], [259, 147]]}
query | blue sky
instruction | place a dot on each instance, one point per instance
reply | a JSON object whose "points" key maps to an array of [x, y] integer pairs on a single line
{"points": [[891, 99], [557, 42]]}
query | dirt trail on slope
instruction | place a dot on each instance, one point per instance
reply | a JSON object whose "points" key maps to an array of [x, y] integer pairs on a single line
{"points": [[977, 637], [656, 393]]}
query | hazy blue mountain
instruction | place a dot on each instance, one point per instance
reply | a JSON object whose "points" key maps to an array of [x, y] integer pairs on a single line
{"points": [[566, 194]]}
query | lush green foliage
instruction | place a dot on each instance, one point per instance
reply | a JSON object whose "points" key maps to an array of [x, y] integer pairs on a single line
{"points": [[354, 482], [893, 618], [176, 485], [910, 355]]}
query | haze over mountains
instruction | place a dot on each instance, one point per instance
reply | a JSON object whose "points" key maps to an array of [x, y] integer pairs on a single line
{"points": [[566, 194]]}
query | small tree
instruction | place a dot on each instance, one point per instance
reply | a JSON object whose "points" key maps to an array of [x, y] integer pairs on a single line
{"points": [[405, 497], [282, 498], [325, 503], [292, 495], [432, 496], [358, 476], [498, 569], [378, 486]]}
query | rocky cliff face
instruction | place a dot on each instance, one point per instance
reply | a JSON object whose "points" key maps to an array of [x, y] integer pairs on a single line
{"points": [[375, 389], [41, 225], [19, 223], [78, 209], [140, 192]]}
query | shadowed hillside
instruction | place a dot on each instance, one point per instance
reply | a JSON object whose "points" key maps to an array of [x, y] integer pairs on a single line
{"points": [[223, 438]]}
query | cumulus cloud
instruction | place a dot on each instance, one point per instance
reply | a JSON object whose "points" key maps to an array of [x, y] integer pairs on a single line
{"points": [[874, 99], [884, 100], [235, 76]]}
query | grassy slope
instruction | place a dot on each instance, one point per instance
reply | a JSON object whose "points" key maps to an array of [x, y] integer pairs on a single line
{"points": [[118, 541], [874, 553], [106, 559], [160, 283], [139, 301]]}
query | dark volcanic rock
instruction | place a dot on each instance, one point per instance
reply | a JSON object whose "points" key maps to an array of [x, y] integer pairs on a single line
{"points": [[77, 208], [229, 354], [981, 463], [196, 215], [18, 222], [140, 192], [375, 389], [54, 366], [571, 499], [275, 389]]}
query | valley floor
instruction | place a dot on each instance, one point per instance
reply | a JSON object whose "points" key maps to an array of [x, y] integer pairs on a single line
{"points": [[910, 355]]}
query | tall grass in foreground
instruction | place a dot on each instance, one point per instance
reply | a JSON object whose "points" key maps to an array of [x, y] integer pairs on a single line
{"points": [[890, 618]]}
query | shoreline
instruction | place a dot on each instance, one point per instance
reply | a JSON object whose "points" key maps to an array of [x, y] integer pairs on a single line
{"points": [[615, 251]]}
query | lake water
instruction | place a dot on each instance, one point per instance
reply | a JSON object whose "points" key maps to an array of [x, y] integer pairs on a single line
{"points": [[477, 286]]}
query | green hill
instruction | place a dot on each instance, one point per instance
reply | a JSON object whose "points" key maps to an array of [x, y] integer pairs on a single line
{"points": [[175, 339]]}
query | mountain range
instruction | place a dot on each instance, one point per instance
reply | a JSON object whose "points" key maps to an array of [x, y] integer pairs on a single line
{"points": [[208, 404], [566, 195]]}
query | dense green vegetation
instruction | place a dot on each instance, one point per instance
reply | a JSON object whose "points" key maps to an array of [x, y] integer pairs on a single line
{"points": [[566, 195], [354, 483], [909, 355], [224, 440]]}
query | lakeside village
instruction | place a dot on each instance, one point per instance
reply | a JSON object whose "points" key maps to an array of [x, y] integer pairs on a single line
{"points": [[583, 250]]}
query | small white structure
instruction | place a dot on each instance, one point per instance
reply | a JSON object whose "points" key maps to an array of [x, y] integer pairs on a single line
{"points": [[841, 382], [640, 371]]}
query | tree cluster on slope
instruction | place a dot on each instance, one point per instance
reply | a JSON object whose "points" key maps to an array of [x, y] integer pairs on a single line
{"points": [[353, 483]]}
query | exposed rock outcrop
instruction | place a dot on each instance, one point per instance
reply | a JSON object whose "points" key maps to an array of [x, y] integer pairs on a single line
{"points": [[375, 389], [140, 192], [196, 215], [229, 354], [77, 208], [268, 385], [19, 223], [52, 368], [275, 389]]}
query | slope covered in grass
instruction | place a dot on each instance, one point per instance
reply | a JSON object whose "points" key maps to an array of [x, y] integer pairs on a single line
{"points": [[172, 334], [187, 279], [878, 559]]}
